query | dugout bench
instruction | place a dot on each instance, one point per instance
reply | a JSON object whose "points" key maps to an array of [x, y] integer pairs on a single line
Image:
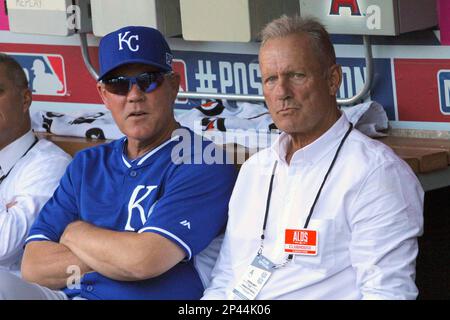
{"points": [[429, 159]]}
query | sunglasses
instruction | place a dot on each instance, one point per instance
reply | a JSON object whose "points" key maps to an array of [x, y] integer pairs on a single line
{"points": [[147, 82]]}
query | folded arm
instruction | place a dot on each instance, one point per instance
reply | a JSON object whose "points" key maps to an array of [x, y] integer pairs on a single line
{"points": [[49, 264], [123, 256]]}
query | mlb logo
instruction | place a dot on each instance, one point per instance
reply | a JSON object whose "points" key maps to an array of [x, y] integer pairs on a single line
{"points": [[444, 91], [179, 66], [45, 73]]}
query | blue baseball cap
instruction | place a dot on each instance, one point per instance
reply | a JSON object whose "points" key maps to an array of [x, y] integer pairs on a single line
{"points": [[134, 45]]}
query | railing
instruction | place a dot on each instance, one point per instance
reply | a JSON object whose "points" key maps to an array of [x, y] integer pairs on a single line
{"points": [[254, 98]]}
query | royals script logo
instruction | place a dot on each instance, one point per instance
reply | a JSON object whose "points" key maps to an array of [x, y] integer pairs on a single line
{"points": [[135, 207]]}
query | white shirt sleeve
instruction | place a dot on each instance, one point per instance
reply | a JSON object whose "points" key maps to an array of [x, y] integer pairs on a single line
{"points": [[15, 224], [30, 185], [221, 274], [386, 218]]}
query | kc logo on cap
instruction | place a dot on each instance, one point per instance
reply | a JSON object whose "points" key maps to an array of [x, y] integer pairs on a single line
{"points": [[134, 44], [122, 39]]}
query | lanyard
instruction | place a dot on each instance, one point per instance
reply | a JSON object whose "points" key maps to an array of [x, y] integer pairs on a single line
{"points": [[269, 196], [31, 147]]}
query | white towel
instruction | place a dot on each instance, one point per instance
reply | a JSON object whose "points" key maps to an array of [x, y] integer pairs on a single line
{"points": [[370, 118], [219, 120], [98, 125]]}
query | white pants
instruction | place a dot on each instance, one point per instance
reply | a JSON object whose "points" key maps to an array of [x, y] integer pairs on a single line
{"points": [[14, 288]]}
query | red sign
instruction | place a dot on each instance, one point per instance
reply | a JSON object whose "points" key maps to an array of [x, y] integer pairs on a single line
{"points": [[179, 66], [417, 86]]}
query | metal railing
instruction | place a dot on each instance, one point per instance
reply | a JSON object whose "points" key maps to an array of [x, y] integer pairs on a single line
{"points": [[86, 58], [369, 75], [254, 98]]}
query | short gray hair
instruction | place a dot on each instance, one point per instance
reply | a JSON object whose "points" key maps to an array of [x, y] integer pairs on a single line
{"points": [[288, 25], [14, 71]]}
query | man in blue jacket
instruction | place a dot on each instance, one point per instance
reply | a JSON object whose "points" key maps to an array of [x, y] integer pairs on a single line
{"points": [[130, 217]]}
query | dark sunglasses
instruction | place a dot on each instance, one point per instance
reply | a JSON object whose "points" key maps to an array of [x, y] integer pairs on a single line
{"points": [[147, 82]]}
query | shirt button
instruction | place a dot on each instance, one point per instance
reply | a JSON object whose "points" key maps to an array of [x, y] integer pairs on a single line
{"points": [[89, 288], [133, 174]]}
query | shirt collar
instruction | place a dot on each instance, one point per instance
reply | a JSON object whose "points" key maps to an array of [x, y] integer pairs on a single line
{"points": [[13, 152], [316, 150], [141, 160]]}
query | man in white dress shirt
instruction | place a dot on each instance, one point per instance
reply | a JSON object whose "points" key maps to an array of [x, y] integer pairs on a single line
{"points": [[29, 169], [325, 212]]}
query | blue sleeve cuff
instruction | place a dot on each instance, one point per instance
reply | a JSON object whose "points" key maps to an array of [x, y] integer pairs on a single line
{"points": [[37, 237], [172, 237]]}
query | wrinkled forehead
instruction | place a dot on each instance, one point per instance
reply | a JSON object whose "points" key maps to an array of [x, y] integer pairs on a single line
{"points": [[292, 51], [298, 44]]}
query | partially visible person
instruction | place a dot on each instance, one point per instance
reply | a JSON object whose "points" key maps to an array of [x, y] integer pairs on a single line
{"points": [[30, 170], [140, 217], [326, 212]]}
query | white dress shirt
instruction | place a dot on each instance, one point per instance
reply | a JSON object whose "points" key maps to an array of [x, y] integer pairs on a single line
{"points": [[368, 217], [31, 180]]}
